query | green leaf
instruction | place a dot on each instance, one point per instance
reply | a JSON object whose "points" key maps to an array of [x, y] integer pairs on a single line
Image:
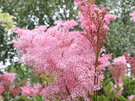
{"points": [[103, 98], [91, 96], [112, 94], [108, 88], [6, 21], [133, 100], [47, 72], [51, 78], [25, 98], [100, 98], [121, 98], [118, 88], [37, 98]]}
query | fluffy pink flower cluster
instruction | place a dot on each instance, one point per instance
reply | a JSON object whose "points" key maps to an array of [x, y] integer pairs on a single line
{"points": [[6, 82], [7, 79], [94, 22], [133, 16], [118, 69], [66, 53], [103, 62], [29, 91], [131, 97]]}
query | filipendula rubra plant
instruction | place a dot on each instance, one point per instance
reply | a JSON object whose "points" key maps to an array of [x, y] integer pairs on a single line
{"points": [[8, 89], [72, 56], [66, 54], [118, 71], [118, 68], [94, 22], [6, 83]]}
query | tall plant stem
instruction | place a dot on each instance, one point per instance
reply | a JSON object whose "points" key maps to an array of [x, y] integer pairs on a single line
{"points": [[96, 65], [96, 78]]}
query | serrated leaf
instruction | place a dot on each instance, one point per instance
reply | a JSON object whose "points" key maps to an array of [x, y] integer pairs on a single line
{"points": [[121, 98]]}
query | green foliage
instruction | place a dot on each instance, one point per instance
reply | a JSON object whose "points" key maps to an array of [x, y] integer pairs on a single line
{"points": [[46, 78], [6, 24], [6, 21], [107, 96], [34, 98], [38, 12], [23, 72], [100, 98], [129, 86], [121, 98], [92, 97], [110, 94], [103, 98], [37, 98], [120, 37], [108, 88], [22, 98]]}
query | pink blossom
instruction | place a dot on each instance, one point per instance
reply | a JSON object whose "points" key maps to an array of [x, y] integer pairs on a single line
{"points": [[132, 16], [108, 17], [94, 23], [14, 91], [118, 68], [104, 62], [119, 85], [29, 90], [120, 61], [66, 54], [1, 90], [131, 97], [7, 79]]}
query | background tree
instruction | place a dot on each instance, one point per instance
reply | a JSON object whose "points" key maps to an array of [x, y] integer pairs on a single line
{"points": [[6, 24]]}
